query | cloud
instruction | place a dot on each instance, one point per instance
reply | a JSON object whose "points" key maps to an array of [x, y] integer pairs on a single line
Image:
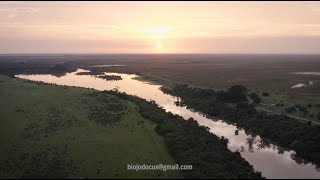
{"points": [[268, 44], [10, 16], [19, 10], [103, 27], [273, 45], [2, 3], [24, 45]]}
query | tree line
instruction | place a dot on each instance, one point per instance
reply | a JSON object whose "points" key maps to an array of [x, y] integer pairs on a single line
{"points": [[190, 143], [233, 106]]}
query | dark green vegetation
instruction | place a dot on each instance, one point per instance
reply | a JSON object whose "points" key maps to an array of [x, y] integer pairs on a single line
{"points": [[99, 73], [232, 106], [52, 131], [12, 65], [90, 73], [110, 77], [255, 98]]}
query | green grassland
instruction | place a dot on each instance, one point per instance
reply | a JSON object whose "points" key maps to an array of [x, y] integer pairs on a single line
{"points": [[53, 131], [288, 98]]}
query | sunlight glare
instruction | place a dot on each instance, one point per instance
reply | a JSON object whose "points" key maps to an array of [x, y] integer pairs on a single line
{"points": [[160, 32], [159, 45]]}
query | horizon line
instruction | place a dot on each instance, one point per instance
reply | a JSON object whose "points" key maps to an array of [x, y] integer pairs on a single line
{"points": [[3, 54]]}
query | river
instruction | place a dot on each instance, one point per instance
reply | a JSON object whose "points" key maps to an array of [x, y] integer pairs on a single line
{"points": [[272, 161]]}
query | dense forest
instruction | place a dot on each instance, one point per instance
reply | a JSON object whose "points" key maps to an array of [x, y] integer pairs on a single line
{"points": [[21, 66], [190, 143], [234, 107]]}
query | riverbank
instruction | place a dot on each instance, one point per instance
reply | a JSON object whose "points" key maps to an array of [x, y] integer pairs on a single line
{"points": [[286, 131], [66, 132]]}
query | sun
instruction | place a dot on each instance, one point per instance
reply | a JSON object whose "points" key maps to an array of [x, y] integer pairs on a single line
{"points": [[159, 45], [160, 34], [160, 30]]}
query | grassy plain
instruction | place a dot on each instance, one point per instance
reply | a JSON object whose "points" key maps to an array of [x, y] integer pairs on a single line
{"points": [[48, 131]]}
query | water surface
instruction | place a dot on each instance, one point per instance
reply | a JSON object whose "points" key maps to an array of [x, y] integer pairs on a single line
{"points": [[109, 65], [298, 85], [272, 161], [308, 73]]}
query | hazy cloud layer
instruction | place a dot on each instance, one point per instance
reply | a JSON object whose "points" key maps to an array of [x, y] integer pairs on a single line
{"points": [[164, 27]]}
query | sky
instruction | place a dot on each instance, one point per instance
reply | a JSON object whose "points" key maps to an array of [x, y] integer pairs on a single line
{"points": [[160, 27]]}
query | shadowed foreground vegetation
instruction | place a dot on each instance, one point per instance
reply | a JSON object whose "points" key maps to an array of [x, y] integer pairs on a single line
{"points": [[233, 106], [50, 131]]}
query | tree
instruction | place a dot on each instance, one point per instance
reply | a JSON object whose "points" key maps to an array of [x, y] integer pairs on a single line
{"points": [[290, 109], [238, 90], [254, 96]]}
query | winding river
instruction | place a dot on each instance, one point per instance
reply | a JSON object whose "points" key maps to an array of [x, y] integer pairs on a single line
{"points": [[271, 160]]}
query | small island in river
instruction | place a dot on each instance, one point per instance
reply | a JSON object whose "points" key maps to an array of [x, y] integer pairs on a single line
{"points": [[110, 77]]}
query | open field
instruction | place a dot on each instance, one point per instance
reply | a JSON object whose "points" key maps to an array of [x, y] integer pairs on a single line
{"points": [[46, 131]]}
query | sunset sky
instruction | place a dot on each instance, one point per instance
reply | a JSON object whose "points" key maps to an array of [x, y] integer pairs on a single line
{"points": [[160, 27]]}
